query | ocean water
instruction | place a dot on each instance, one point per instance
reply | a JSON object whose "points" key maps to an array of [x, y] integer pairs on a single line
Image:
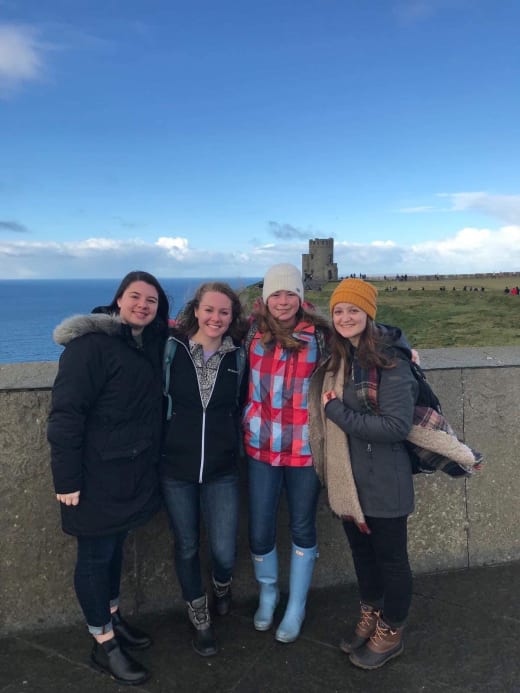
{"points": [[31, 309]]}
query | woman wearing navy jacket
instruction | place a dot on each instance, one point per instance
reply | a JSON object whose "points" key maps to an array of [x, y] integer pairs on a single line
{"points": [[201, 448], [104, 430]]}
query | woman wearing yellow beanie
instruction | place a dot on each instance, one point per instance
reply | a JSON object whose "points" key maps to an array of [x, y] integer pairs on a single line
{"points": [[368, 392]]}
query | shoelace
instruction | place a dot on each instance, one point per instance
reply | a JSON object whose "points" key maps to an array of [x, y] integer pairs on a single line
{"points": [[382, 631], [221, 589], [366, 618], [200, 615]]}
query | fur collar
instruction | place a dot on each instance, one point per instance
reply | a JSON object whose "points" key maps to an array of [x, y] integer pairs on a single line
{"points": [[79, 325]]}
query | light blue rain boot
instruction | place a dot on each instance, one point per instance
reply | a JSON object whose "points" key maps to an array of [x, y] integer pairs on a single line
{"points": [[302, 567], [266, 573]]}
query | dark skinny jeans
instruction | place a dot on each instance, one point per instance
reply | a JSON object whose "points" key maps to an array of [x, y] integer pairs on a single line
{"points": [[382, 567], [97, 578]]}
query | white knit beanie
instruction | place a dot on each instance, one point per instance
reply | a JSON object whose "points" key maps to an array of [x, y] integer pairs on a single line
{"points": [[283, 277]]}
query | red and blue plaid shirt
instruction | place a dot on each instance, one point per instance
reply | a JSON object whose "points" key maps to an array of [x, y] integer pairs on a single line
{"points": [[276, 416]]}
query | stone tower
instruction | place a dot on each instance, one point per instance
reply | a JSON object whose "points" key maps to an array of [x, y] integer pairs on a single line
{"points": [[318, 266]]}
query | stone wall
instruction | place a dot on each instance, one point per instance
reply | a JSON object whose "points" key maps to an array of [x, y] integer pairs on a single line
{"points": [[457, 523]]}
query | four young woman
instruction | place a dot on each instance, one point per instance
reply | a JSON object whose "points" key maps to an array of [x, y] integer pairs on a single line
{"points": [[104, 430]]}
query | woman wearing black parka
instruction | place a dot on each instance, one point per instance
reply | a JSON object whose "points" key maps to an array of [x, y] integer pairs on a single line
{"points": [[104, 430]]}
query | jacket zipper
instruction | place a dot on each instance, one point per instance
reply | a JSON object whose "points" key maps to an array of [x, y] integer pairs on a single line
{"points": [[204, 408]]}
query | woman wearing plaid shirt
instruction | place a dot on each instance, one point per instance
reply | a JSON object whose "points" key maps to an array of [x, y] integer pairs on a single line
{"points": [[284, 346]]}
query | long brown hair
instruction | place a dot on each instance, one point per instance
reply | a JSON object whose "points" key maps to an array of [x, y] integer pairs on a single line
{"points": [[188, 323], [370, 350], [274, 332]]}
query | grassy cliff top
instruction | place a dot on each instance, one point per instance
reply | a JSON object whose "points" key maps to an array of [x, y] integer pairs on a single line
{"points": [[439, 313]]}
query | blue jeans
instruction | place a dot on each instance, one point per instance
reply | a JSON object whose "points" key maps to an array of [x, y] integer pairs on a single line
{"points": [[382, 567], [218, 501], [97, 578], [302, 488]]}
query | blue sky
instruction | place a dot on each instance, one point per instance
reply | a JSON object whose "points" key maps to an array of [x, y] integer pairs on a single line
{"points": [[214, 138]]}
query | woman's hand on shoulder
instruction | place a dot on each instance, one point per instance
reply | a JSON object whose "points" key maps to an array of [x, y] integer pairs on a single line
{"points": [[415, 357], [68, 498], [328, 396]]}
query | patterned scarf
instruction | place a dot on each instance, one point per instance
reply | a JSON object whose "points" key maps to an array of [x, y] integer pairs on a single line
{"points": [[432, 442], [431, 438]]}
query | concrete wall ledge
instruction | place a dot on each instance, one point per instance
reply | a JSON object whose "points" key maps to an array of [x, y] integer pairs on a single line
{"points": [[457, 524]]}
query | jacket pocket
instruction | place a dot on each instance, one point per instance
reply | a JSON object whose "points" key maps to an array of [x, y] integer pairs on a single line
{"points": [[132, 451], [124, 470]]}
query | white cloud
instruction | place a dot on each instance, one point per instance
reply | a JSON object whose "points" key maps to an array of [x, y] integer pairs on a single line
{"points": [[21, 57], [468, 250], [417, 210], [175, 246], [413, 11], [506, 208], [104, 257], [503, 207]]}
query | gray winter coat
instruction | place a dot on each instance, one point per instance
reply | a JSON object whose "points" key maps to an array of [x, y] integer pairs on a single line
{"points": [[380, 462]]}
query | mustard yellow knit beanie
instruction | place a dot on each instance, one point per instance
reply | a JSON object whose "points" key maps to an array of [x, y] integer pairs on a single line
{"points": [[359, 293]]}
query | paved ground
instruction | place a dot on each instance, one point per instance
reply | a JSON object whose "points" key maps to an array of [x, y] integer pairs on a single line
{"points": [[463, 636]]}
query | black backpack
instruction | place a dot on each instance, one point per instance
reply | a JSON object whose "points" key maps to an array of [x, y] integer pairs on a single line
{"points": [[426, 396]]}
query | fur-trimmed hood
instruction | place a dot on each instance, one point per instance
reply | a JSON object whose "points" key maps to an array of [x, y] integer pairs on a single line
{"points": [[79, 325]]}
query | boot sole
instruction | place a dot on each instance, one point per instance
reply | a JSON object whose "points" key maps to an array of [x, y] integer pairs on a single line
{"points": [[369, 667], [286, 640], [121, 682], [126, 646], [348, 649], [208, 653]]}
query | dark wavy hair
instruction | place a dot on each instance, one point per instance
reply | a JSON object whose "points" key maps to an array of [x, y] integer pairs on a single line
{"points": [[274, 332], [163, 308], [188, 324], [370, 351]]}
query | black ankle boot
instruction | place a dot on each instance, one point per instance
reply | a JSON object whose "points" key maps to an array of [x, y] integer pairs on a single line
{"points": [[204, 642], [222, 597], [109, 658], [129, 637]]}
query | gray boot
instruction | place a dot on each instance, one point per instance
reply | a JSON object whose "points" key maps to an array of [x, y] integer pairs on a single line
{"points": [[204, 642]]}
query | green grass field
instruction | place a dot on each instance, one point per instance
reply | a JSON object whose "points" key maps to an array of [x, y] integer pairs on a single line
{"points": [[452, 318]]}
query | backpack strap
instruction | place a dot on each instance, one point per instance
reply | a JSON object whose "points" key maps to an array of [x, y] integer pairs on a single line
{"points": [[169, 352], [241, 357], [253, 329]]}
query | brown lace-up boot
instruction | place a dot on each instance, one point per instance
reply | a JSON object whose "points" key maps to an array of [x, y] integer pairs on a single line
{"points": [[385, 644], [365, 627]]}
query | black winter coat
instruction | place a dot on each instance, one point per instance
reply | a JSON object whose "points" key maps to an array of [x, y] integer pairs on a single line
{"points": [[104, 426], [201, 444]]}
